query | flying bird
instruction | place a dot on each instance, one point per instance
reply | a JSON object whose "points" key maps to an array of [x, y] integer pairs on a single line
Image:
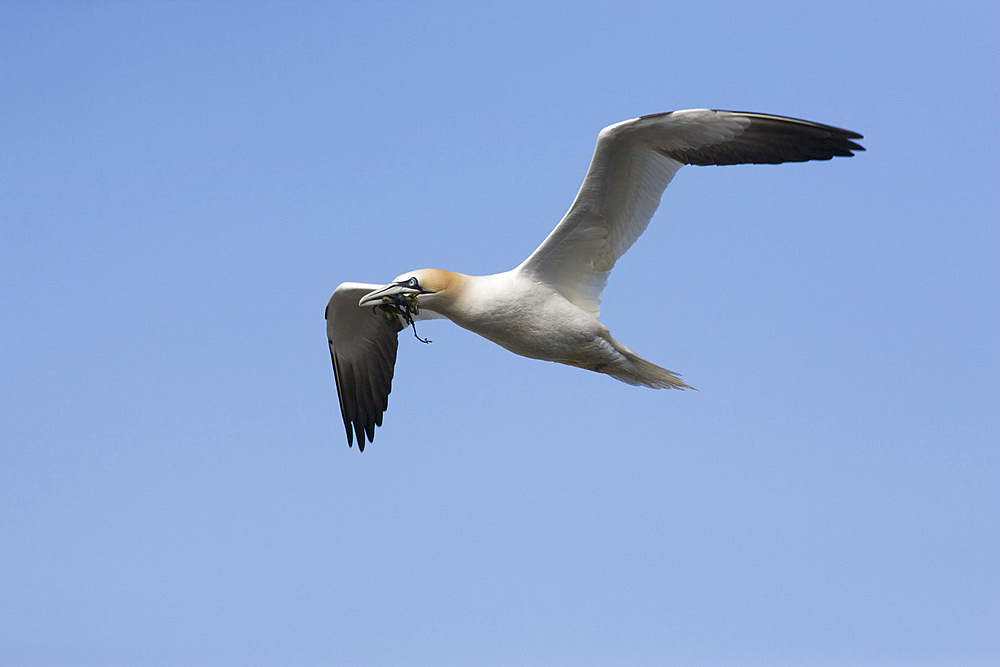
{"points": [[548, 307]]}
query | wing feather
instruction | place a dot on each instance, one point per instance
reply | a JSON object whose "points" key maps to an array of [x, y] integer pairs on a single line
{"points": [[633, 163], [363, 347]]}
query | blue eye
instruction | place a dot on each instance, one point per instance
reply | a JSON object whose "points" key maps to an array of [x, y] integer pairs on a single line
{"points": [[412, 282]]}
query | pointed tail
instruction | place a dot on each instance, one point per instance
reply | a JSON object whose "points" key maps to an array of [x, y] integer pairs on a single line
{"points": [[638, 371]]}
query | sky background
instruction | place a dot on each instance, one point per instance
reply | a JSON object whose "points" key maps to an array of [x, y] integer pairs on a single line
{"points": [[182, 186]]}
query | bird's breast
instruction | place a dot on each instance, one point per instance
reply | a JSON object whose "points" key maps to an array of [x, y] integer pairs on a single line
{"points": [[528, 318]]}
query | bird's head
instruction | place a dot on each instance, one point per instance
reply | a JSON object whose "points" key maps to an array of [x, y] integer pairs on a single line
{"points": [[423, 287]]}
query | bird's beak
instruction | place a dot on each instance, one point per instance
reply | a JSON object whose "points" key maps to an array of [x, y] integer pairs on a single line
{"points": [[389, 292]]}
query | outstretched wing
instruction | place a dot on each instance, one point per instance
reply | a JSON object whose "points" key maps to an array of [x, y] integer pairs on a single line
{"points": [[363, 348], [632, 165]]}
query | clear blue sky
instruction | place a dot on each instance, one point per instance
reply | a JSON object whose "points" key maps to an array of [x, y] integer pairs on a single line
{"points": [[182, 185]]}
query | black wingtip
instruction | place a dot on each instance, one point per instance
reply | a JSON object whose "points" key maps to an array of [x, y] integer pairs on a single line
{"points": [[358, 433], [351, 438]]}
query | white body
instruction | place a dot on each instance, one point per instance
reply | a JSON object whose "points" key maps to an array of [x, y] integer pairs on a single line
{"points": [[533, 319]]}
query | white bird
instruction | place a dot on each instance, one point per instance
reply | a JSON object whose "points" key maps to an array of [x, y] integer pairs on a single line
{"points": [[547, 308]]}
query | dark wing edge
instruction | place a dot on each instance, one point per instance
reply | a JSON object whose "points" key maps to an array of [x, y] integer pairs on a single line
{"points": [[769, 139], [363, 347]]}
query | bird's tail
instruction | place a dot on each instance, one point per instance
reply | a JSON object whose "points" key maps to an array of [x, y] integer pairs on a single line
{"points": [[636, 370]]}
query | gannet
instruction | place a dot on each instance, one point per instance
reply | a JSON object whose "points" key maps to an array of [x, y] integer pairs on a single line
{"points": [[548, 306]]}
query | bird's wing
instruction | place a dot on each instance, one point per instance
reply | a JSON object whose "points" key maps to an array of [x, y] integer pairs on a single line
{"points": [[632, 165], [363, 348]]}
